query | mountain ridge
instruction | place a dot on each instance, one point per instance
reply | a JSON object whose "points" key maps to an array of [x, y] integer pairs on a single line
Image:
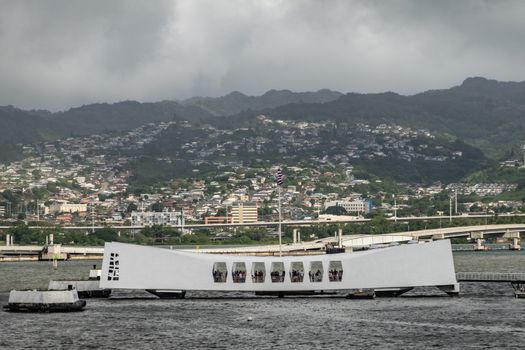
{"points": [[487, 114]]}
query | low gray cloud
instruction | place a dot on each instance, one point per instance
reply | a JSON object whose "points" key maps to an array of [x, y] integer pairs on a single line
{"points": [[58, 54]]}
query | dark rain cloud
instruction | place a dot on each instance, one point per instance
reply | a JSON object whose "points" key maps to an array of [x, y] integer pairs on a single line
{"points": [[57, 54]]}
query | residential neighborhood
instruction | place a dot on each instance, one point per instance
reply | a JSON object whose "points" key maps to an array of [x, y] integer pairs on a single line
{"points": [[87, 180]]}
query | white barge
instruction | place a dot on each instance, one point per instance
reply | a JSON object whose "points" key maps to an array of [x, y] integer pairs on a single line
{"points": [[44, 301], [85, 288], [393, 269]]}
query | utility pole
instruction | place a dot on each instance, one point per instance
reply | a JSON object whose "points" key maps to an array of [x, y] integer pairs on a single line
{"points": [[182, 223], [395, 208], [92, 217], [456, 202], [450, 210], [279, 207]]}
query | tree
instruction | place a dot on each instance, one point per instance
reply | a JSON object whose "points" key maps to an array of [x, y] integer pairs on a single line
{"points": [[336, 210], [131, 207], [157, 206], [37, 175], [107, 234]]}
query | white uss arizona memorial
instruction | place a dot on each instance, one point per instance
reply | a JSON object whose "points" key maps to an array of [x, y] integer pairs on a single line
{"points": [[127, 266]]}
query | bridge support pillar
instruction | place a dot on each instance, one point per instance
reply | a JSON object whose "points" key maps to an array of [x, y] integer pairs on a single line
{"points": [[438, 236], [340, 238], [515, 237], [53, 252], [480, 245], [296, 236], [7, 239]]}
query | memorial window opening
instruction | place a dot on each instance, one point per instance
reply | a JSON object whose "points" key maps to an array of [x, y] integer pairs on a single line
{"points": [[277, 272], [296, 271], [239, 272], [316, 271], [220, 272], [258, 272], [335, 271]]}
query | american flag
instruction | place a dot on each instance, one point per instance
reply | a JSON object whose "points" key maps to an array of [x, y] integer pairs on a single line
{"points": [[279, 177]]}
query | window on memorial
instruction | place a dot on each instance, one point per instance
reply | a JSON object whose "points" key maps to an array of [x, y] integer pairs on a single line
{"points": [[296, 271], [239, 272], [335, 271], [277, 272], [220, 272], [258, 272], [316, 271]]}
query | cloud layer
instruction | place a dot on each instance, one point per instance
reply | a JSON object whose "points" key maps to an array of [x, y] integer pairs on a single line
{"points": [[58, 54]]}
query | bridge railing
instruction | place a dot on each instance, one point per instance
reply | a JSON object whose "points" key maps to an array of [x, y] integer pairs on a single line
{"points": [[491, 276]]}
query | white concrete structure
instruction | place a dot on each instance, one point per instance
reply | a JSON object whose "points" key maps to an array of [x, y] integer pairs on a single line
{"points": [[150, 218], [127, 266], [79, 286], [43, 297]]}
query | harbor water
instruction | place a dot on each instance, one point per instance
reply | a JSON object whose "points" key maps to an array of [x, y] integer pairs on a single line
{"points": [[485, 315]]}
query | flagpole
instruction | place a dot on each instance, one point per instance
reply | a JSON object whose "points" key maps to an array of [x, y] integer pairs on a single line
{"points": [[280, 234]]}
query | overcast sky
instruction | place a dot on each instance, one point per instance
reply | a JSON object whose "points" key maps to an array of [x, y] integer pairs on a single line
{"points": [[59, 54]]}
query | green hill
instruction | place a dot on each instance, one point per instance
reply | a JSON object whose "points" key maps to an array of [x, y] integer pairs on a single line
{"points": [[485, 113], [18, 127], [236, 102]]}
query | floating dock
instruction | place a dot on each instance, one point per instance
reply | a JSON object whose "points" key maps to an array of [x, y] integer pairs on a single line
{"points": [[85, 289], [44, 301]]}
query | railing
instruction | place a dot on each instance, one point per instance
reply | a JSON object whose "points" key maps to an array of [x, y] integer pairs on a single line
{"points": [[490, 277]]}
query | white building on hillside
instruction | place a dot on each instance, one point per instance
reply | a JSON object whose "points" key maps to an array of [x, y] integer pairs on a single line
{"points": [[64, 207], [150, 218], [351, 205]]}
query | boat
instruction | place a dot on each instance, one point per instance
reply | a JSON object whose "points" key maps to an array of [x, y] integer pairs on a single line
{"points": [[362, 294], [44, 301], [128, 266]]}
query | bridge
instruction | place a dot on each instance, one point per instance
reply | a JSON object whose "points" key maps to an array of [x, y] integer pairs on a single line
{"points": [[476, 233], [48, 252]]}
